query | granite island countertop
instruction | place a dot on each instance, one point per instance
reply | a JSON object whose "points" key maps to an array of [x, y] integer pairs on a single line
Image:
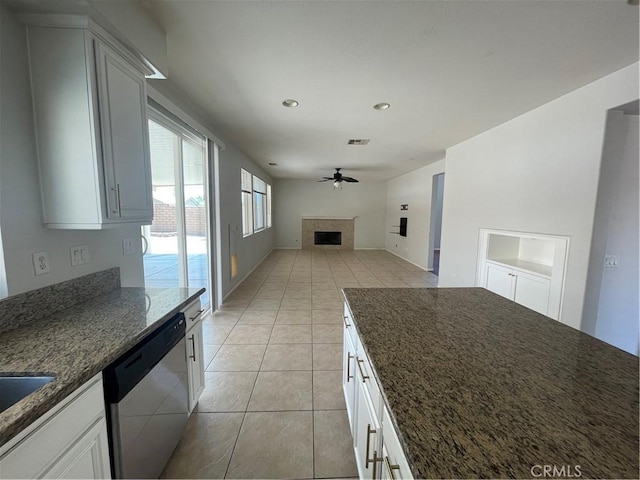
{"points": [[77, 343], [481, 387]]}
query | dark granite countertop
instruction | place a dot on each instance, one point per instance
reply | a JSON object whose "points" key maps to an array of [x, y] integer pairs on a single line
{"points": [[481, 387], [77, 343]]}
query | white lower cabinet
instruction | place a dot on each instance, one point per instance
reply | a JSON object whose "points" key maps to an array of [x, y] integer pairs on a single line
{"points": [[367, 434], [377, 450], [528, 268], [527, 289], [69, 441], [195, 353], [394, 464], [348, 376]]}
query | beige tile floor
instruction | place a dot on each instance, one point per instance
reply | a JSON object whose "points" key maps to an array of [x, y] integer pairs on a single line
{"points": [[273, 405]]}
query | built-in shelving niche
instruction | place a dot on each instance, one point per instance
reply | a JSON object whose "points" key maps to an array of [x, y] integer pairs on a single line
{"points": [[528, 268]]}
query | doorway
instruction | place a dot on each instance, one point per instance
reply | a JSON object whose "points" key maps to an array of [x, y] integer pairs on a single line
{"points": [[177, 245], [435, 230]]}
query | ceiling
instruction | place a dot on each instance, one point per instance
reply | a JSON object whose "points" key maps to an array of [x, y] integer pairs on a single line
{"points": [[449, 69]]}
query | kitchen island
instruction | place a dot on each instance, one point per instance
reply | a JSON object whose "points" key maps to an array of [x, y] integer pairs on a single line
{"points": [[477, 386]]}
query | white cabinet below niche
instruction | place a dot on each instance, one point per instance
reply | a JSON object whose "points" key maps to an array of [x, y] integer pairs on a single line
{"points": [[89, 101], [524, 267]]}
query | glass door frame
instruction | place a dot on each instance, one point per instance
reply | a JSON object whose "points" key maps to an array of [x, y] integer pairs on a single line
{"points": [[182, 133]]}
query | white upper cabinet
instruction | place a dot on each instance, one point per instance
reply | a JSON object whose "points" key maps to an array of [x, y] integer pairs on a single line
{"points": [[89, 100]]}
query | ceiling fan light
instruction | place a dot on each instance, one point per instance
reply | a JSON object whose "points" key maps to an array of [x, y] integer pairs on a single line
{"points": [[337, 183]]}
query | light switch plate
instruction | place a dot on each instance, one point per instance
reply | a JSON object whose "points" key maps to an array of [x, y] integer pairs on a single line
{"points": [[129, 246], [79, 255], [611, 261], [41, 263]]}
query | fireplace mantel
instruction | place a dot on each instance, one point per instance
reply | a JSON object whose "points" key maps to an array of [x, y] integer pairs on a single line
{"points": [[316, 217]]}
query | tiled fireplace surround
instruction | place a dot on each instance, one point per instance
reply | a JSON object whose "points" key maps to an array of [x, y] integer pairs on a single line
{"points": [[326, 224]]}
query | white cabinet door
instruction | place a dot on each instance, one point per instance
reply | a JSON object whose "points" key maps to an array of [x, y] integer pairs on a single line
{"points": [[349, 377], [123, 119], [69, 441], [395, 464], [532, 292], [499, 280], [367, 435], [88, 458], [195, 364]]}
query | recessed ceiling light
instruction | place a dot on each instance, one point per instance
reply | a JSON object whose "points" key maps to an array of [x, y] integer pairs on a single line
{"points": [[381, 106], [289, 102], [273, 164]]}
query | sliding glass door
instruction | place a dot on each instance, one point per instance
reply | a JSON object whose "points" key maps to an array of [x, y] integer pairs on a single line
{"points": [[177, 253]]}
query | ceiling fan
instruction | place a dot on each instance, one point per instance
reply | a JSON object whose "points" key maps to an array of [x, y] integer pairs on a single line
{"points": [[338, 178]]}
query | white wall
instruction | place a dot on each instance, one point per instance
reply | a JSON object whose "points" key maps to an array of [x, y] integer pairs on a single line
{"points": [[20, 209], [415, 189], [535, 173], [611, 301], [252, 249], [295, 198]]}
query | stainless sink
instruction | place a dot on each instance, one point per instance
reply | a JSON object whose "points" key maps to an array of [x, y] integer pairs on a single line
{"points": [[14, 388]]}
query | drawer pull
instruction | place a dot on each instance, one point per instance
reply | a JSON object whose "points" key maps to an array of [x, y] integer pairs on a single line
{"points": [[391, 468], [349, 358], [366, 454], [364, 377], [197, 314]]}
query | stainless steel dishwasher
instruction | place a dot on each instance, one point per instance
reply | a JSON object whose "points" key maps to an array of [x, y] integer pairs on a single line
{"points": [[146, 391]]}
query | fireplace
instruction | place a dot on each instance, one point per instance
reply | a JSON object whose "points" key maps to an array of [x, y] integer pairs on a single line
{"points": [[327, 238], [327, 233]]}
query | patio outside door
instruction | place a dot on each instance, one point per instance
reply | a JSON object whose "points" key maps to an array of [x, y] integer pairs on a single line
{"points": [[177, 253]]}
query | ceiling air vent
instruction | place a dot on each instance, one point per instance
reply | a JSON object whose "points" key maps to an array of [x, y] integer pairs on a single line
{"points": [[358, 141]]}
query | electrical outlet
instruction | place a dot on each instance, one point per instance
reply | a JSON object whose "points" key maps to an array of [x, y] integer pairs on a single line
{"points": [[79, 255], [41, 263], [128, 246]]}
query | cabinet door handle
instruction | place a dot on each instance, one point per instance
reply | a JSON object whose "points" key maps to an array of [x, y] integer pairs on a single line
{"points": [[197, 314], [349, 358], [366, 454], [119, 202], [347, 325], [376, 459], [391, 468], [364, 377], [116, 198], [192, 339]]}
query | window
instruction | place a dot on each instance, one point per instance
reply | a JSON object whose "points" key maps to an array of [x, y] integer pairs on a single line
{"points": [[256, 204], [247, 204], [259, 204], [268, 206]]}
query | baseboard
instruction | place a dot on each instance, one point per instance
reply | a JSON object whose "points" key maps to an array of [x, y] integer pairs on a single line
{"points": [[247, 275], [409, 261], [287, 248], [369, 248]]}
